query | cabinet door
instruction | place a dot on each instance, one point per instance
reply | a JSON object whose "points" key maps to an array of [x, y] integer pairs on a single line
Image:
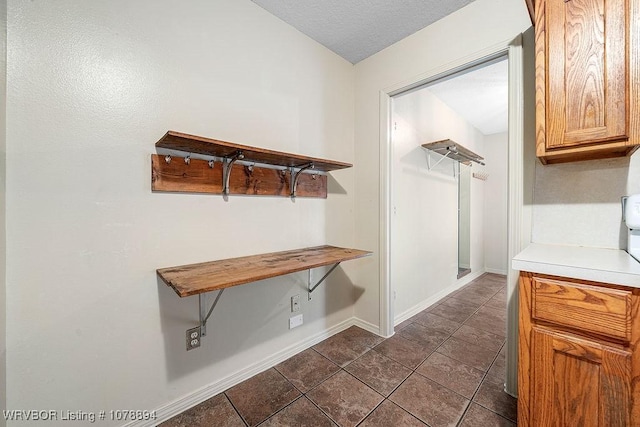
{"points": [[577, 382], [586, 51]]}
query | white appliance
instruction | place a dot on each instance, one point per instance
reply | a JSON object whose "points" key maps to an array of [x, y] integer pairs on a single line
{"points": [[632, 219]]}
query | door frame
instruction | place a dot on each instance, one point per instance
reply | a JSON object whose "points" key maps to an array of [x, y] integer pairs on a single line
{"points": [[519, 235]]}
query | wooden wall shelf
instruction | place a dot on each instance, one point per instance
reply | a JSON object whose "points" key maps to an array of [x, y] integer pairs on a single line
{"points": [[213, 147], [454, 151], [199, 176], [202, 176], [195, 279]]}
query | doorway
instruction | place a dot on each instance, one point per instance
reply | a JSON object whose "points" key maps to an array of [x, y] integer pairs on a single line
{"points": [[518, 215], [449, 221]]}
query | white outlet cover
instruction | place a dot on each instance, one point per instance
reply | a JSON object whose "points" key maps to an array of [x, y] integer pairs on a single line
{"points": [[295, 303], [295, 321]]}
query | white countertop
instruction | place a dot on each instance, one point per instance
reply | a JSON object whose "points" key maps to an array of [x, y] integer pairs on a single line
{"points": [[596, 264]]}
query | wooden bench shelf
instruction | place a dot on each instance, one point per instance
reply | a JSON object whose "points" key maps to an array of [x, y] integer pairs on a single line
{"points": [[195, 279], [201, 176], [199, 279]]}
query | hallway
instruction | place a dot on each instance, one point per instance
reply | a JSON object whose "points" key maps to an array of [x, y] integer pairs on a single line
{"points": [[443, 367]]}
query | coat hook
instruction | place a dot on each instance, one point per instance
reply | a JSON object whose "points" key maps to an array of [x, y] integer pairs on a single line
{"points": [[187, 159], [167, 158], [211, 162], [250, 167]]}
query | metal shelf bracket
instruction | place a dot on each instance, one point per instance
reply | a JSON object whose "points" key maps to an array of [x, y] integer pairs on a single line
{"points": [[430, 166], [204, 313], [227, 164], [295, 176], [313, 288]]}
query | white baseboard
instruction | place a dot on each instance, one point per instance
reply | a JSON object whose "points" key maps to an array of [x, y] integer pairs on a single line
{"points": [[188, 401], [422, 305], [182, 404], [468, 278], [437, 297], [496, 271], [367, 326]]}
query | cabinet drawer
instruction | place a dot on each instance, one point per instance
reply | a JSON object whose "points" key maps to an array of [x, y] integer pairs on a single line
{"points": [[600, 310]]}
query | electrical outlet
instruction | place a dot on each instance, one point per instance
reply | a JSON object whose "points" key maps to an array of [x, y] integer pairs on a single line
{"points": [[295, 321], [193, 338], [295, 303]]}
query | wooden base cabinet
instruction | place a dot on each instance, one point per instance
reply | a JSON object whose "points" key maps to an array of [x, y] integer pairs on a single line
{"points": [[579, 362]]}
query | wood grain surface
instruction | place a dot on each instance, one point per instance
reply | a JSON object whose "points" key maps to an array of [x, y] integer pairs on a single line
{"points": [[594, 309], [569, 372], [579, 382], [541, 79], [524, 350], [212, 147], [587, 78], [530, 8], [585, 61], [198, 177], [465, 155], [194, 279]]}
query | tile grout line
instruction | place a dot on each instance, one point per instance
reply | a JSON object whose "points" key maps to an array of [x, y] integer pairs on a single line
{"points": [[485, 374], [470, 400], [480, 385], [282, 409], [341, 368], [414, 370], [484, 377], [430, 353], [315, 404], [235, 409], [384, 398]]}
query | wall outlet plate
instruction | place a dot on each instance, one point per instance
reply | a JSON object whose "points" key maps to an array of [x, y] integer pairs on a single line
{"points": [[295, 303], [194, 336], [295, 321]]}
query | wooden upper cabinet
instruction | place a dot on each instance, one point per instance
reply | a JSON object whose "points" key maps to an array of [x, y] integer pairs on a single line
{"points": [[583, 92], [529, 4]]}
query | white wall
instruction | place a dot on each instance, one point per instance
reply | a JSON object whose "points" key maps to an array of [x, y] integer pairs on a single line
{"points": [[91, 87], [474, 28], [424, 230], [3, 175], [464, 216], [495, 203], [579, 203]]}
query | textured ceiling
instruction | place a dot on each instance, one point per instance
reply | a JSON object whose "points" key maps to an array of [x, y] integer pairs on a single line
{"points": [[479, 96], [356, 29]]}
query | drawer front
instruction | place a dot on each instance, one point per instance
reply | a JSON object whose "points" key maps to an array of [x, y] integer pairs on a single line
{"points": [[600, 310]]}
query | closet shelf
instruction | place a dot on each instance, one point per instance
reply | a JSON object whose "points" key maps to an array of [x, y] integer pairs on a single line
{"points": [[454, 151], [210, 276], [212, 147]]}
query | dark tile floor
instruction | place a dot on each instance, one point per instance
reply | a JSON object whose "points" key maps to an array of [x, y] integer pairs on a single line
{"points": [[443, 367]]}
